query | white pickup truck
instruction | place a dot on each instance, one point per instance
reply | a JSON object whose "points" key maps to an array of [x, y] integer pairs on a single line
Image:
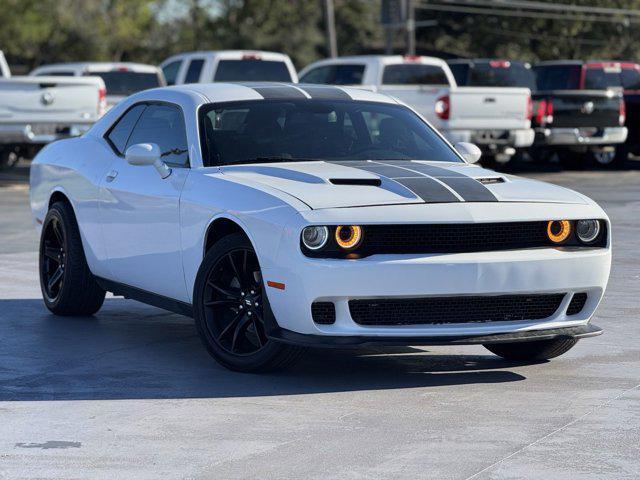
{"points": [[228, 66], [497, 119], [37, 110]]}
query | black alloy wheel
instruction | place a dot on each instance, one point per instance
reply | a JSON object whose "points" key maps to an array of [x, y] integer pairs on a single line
{"points": [[232, 313], [53, 257], [233, 303]]}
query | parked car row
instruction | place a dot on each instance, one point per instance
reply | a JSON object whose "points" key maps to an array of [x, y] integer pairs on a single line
{"points": [[572, 111]]}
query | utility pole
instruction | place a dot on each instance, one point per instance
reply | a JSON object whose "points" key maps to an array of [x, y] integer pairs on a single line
{"points": [[411, 27], [331, 28]]}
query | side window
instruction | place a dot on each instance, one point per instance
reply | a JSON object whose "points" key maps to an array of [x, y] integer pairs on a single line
{"points": [[164, 126], [171, 72], [318, 75], [631, 79], [119, 133], [55, 73], [193, 71], [460, 72]]}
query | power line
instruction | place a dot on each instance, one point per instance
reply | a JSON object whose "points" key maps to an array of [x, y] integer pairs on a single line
{"points": [[518, 13], [559, 7]]}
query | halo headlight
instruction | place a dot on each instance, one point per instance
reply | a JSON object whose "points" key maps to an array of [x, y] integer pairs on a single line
{"points": [[315, 237], [587, 230], [348, 236], [558, 230]]}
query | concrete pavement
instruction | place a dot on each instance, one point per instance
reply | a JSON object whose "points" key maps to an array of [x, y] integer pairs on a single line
{"points": [[131, 394]]}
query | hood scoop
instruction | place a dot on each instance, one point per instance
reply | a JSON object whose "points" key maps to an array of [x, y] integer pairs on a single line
{"points": [[489, 180], [370, 182]]}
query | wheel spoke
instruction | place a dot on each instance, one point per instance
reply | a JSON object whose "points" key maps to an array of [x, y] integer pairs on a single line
{"points": [[57, 232], [228, 293], [235, 269], [55, 278], [53, 253], [219, 303], [232, 324], [241, 326], [260, 329]]}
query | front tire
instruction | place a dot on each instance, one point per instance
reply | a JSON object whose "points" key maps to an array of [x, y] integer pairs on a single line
{"points": [[230, 309], [68, 287], [531, 351]]}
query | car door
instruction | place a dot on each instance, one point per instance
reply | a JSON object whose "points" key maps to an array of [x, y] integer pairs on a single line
{"points": [[139, 210]]}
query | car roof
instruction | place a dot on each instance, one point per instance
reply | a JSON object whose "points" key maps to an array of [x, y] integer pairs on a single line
{"points": [[229, 54], [215, 92], [384, 59]]}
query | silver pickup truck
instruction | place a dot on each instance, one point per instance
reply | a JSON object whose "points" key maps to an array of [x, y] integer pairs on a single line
{"points": [[35, 111]]}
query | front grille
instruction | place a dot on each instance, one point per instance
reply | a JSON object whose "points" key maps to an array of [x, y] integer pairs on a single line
{"points": [[461, 309], [455, 237], [323, 313], [577, 303]]}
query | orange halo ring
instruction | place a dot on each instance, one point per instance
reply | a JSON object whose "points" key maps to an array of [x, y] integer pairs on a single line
{"points": [[354, 239], [563, 234]]}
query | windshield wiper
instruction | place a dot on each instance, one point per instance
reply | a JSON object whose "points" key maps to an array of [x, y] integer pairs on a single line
{"points": [[270, 160]]}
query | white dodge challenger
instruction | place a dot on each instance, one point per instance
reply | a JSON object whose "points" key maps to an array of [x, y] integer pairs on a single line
{"points": [[282, 217]]}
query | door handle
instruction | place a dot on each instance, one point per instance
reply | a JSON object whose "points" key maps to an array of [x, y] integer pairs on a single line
{"points": [[111, 176]]}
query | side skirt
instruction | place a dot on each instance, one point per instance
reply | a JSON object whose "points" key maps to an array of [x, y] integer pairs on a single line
{"points": [[144, 296]]}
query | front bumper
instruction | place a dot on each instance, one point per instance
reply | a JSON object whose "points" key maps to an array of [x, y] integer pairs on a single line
{"points": [[492, 139], [401, 276], [39, 134], [578, 136], [293, 338]]}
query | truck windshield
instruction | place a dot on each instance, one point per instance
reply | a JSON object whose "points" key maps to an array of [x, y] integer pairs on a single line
{"points": [[345, 130], [501, 74], [252, 71], [123, 82], [602, 78]]}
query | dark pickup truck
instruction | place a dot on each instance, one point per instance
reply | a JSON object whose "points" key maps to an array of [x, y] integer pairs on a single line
{"points": [[625, 77], [574, 123]]}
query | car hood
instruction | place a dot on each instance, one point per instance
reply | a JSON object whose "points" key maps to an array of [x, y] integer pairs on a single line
{"points": [[325, 184]]}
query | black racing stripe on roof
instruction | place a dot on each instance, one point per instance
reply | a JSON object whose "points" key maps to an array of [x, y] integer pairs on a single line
{"points": [[429, 189], [320, 92], [469, 189], [277, 92]]}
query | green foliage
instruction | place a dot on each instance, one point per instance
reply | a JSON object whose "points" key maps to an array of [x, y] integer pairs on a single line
{"points": [[34, 32]]}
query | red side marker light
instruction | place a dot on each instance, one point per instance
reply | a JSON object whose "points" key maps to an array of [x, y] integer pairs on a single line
{"points": [[278, 285]]}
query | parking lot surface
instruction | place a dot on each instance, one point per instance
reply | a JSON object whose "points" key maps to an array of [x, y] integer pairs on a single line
{"points": [[130, 393]]}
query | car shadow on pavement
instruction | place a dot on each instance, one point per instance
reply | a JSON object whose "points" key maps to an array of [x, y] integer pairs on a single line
{"points": [[130, 350]]}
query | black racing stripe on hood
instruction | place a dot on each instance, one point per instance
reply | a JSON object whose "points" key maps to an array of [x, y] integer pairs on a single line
{"points": [[426, 188], [429, 189], [467, 187], [278, 92], [325, 93]]}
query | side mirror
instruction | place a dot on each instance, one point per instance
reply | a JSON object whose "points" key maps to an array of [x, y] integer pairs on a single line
{"points": [[142, 154], [469, 151]]}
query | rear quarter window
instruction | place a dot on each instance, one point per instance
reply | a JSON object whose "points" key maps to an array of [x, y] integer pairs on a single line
{"points": [[414, 74]]}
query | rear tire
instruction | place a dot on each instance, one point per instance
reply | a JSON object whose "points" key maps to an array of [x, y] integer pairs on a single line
{"points": [[536, 350], [230, 309], [68, 287]]}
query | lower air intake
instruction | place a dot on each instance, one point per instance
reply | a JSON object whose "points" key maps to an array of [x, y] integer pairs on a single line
{"points": [[577, 303], [323, 313], [460, 309]]}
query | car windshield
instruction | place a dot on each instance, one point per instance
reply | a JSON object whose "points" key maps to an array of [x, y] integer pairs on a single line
{"points": [[121, 82], [278, 130]]}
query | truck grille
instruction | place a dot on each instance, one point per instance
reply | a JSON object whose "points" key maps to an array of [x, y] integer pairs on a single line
{"points": [[460, 309]]}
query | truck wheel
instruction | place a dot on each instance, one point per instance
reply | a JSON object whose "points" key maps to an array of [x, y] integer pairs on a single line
{"points": [[68, 287], [8, 159], [536, 350], [607, 159], [230, 309]]}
